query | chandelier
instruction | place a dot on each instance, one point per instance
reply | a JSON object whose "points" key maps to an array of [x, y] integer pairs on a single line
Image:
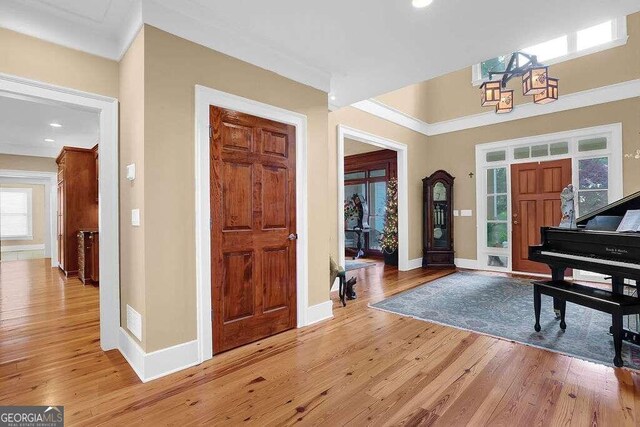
{"points": [[535, 82]]}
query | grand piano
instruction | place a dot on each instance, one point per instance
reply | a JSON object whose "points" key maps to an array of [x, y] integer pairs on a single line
{"points": [[595, 246]]}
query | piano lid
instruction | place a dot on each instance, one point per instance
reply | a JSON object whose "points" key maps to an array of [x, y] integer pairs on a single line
{"points": [[617, 208]]}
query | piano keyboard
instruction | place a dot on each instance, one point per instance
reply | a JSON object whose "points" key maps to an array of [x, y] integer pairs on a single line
{"points": [[592, 259]]}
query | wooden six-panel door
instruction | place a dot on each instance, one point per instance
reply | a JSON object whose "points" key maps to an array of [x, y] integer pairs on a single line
{"points": [[535, 203], [253, 230]]}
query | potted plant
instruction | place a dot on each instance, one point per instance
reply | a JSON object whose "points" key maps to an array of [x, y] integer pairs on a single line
{"points": [[389, 237]]}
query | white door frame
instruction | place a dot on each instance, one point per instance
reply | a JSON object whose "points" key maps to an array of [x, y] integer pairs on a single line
{"points": [[614, 151], [48, 179], [204, 98], [108, 215], [403, 190]]}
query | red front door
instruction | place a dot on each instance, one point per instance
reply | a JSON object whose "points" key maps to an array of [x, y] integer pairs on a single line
{"points": [[535, 203]]}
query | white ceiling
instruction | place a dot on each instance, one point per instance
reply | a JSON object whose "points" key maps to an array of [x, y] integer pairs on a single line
{"points": [[355, 48], [25, 123]]}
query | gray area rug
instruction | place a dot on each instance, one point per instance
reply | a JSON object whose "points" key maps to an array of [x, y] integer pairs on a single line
{"points": [[354, 264], [503, 307]]}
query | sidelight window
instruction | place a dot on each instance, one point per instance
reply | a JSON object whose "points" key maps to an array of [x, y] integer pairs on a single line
{"points": [[593, 188], [497, 227]]}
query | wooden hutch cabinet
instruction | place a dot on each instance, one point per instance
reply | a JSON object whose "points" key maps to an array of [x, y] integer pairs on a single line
{"points": [[438, 220], [77, 202]]}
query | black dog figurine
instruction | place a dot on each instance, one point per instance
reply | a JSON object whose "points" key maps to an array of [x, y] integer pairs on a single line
{"points": [[346, 290]]}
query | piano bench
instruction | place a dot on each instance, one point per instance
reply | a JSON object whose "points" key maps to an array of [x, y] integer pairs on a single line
{"points": [[615, 304]]}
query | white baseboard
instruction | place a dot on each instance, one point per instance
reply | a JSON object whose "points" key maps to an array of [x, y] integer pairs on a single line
{"points": [[19, 248], [319, 312], [149, 366], [471, 264], [414, 263]]}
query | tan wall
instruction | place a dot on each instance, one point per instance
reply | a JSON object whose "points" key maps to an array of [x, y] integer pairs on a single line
{"points": [[173, 66], [32, 58], [352, 147], [38, 215], [418, 151], [28, 163], [452, 95], [132, 250], [455, 152]]}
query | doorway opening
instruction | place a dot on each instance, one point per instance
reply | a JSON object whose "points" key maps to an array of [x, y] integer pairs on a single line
{"points": [[42, 119], [368, 169], [375, 161]]}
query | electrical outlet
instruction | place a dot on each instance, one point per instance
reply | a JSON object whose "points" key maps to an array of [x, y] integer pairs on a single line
{"points": [[134, 322], [456, 212]]}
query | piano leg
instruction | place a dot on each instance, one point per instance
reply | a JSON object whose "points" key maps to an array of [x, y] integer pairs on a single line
{"points": [[617, 338], [536, 306], [557, 273], [617, 286]]}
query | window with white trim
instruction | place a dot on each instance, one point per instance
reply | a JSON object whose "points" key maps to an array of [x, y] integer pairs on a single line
{"points": [[16, 214], [596, 168], [596, 38]]}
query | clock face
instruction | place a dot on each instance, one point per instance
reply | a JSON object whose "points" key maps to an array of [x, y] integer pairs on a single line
{"points": [[437, 232], [439, 192]]}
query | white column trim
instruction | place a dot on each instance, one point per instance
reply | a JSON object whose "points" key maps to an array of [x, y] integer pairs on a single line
{"points": [[150, 366], [403, 189], [108, 191], [586, 98], [204, 98]]}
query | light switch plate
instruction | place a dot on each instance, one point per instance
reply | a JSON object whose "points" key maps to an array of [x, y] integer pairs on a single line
{"points": [[134, 322], [466, 212], [131, 171], [135, 217], [456, 212]]}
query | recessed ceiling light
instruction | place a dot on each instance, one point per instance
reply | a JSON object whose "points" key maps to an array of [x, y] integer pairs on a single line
{"points": [[49, 140], [421, 3], [332, 97], [55, 125]]}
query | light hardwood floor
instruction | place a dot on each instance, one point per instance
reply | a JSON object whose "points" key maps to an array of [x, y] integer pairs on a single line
{"points": [[364, 367]]}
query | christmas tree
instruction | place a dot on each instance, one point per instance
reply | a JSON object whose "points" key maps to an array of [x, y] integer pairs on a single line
{"points": [[389, 237]]}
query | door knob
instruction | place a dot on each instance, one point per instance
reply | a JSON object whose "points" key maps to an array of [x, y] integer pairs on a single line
{"points": [[293, 236]]}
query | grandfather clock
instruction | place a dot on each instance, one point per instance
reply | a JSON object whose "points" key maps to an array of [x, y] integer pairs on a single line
{"points": [[437, 196]]}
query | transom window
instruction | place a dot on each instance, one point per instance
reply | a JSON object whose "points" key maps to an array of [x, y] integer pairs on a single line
{"points": [[593, 39], [15, 214]]}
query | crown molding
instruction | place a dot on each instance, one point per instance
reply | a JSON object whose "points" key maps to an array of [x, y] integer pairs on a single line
{"points": [[29, 150], [130, 28], [587, 98], [36, 23]]}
